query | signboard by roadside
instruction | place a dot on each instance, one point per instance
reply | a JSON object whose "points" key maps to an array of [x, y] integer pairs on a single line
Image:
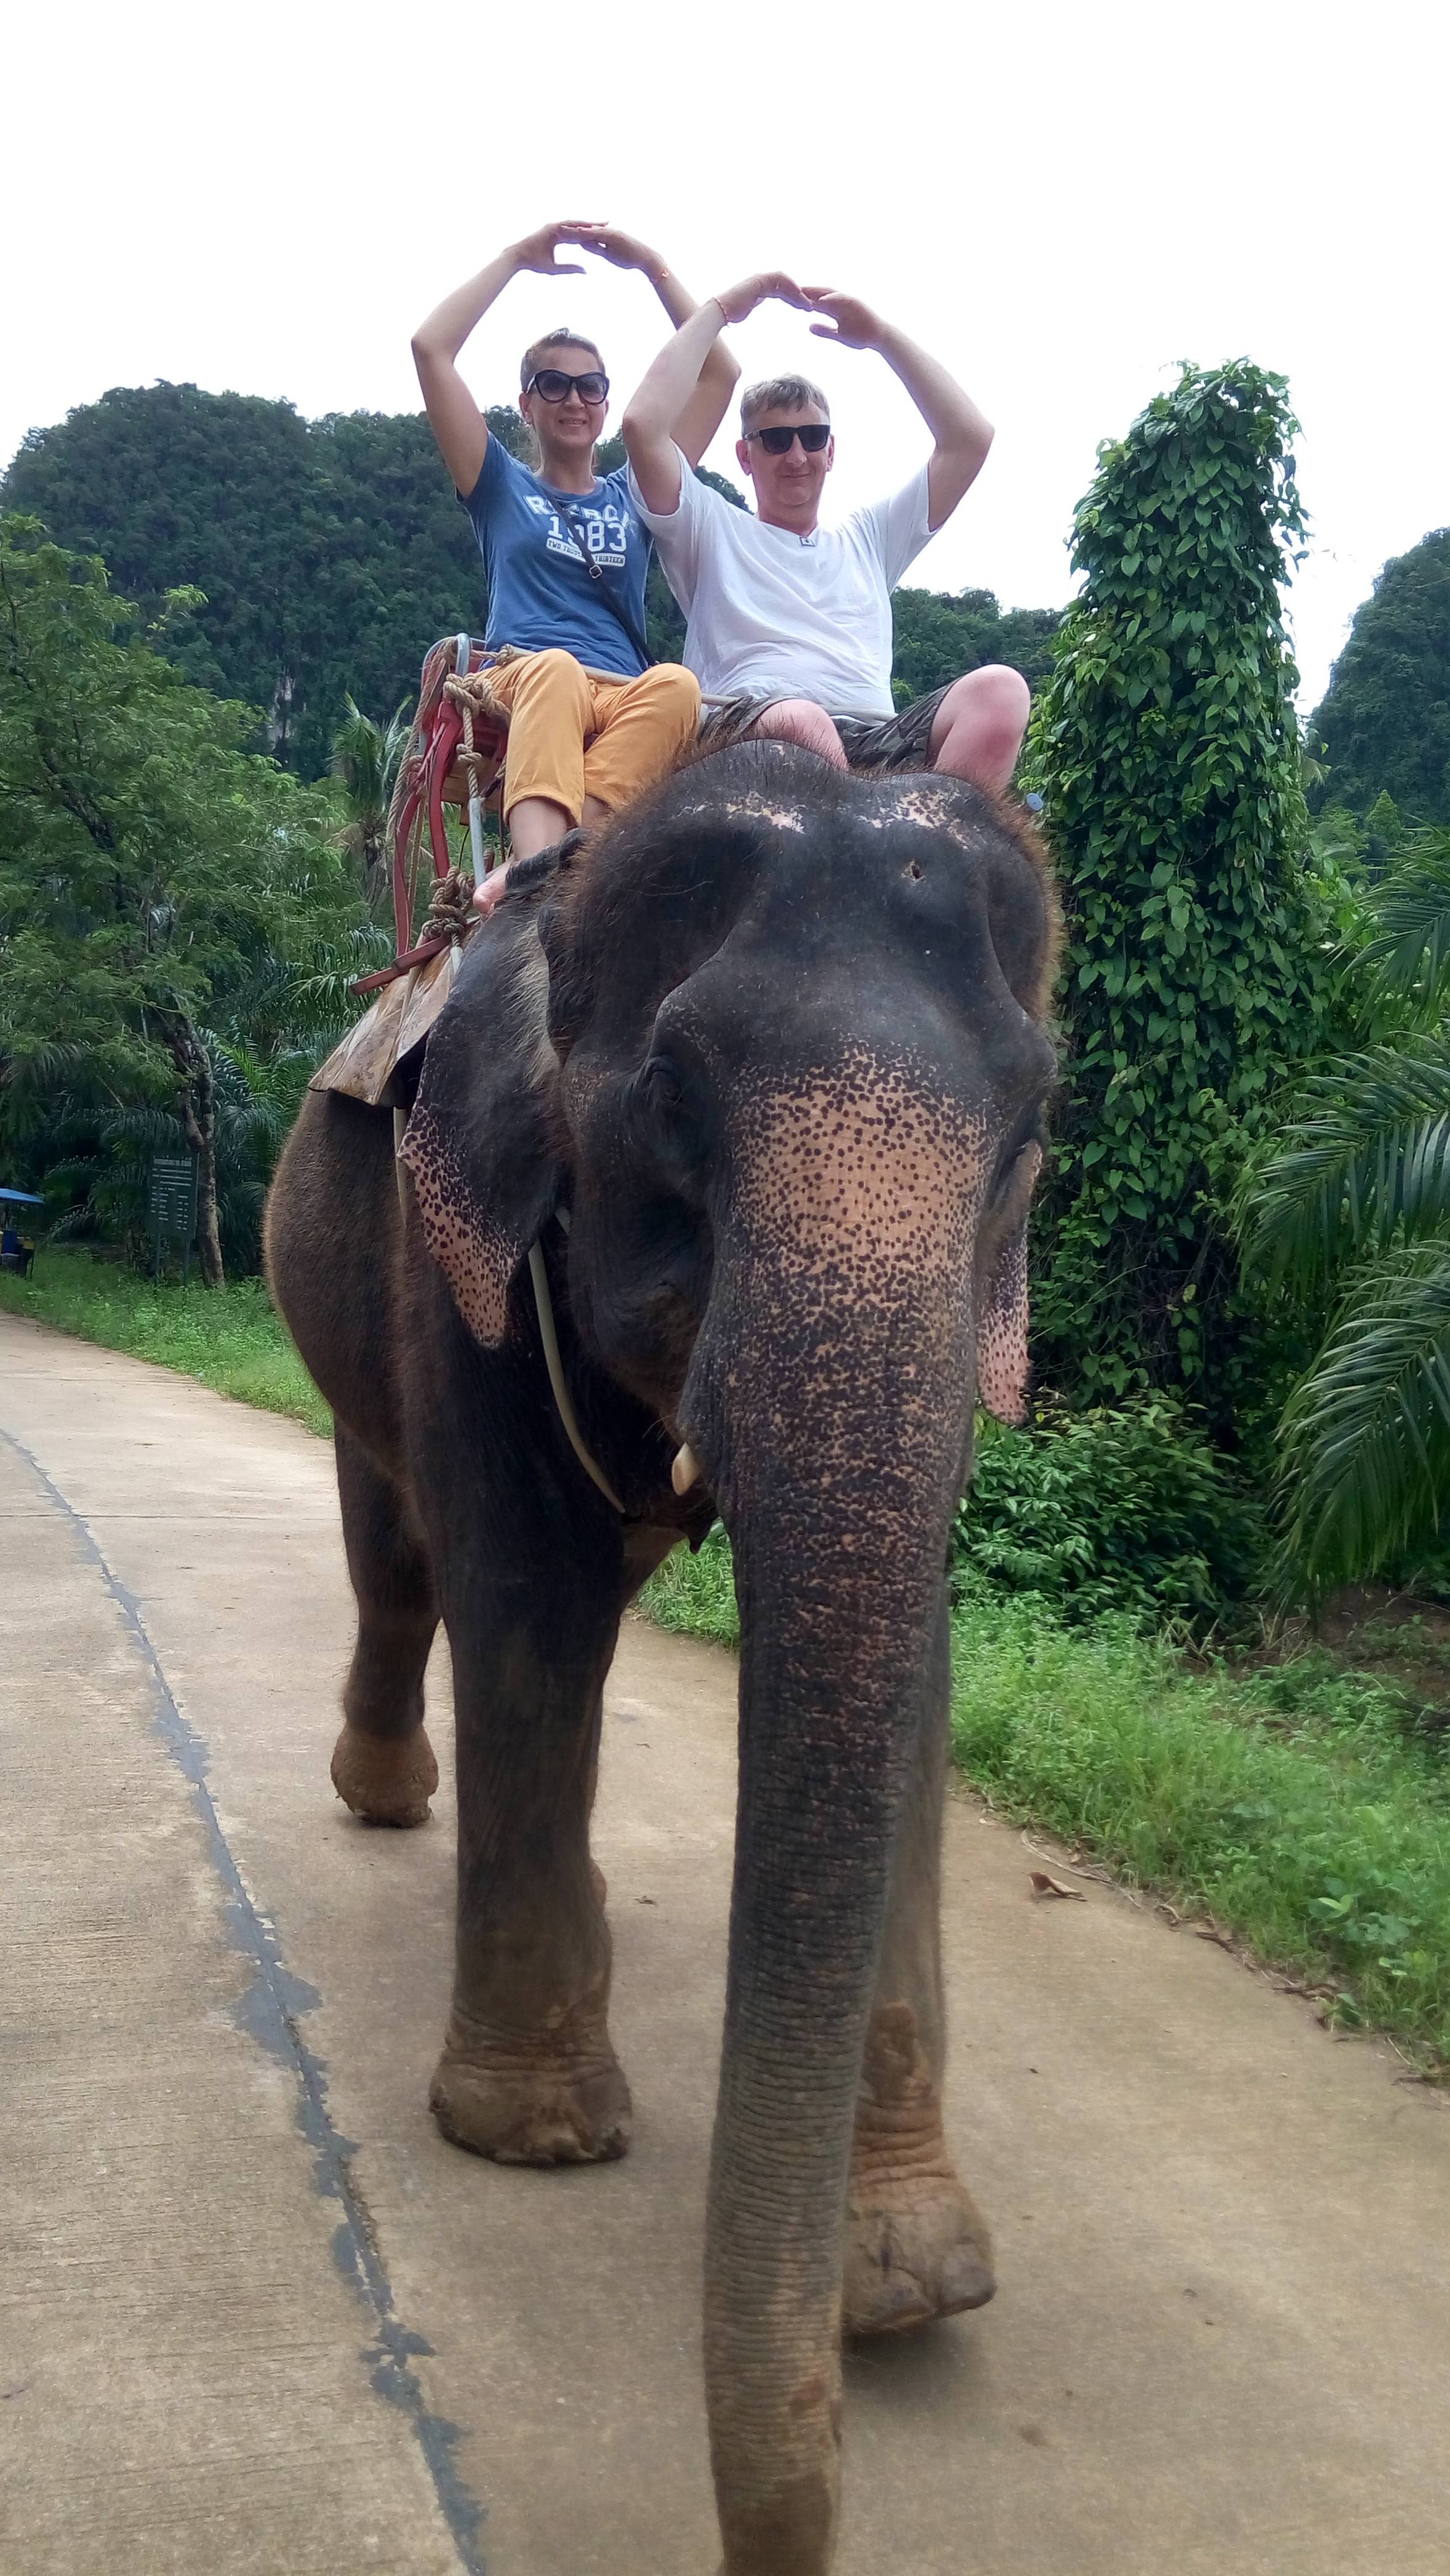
{"points": [[171, 1208]]}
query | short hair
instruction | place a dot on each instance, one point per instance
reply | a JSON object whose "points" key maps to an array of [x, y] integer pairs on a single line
{"points": [[529, 362], [780, 393]]}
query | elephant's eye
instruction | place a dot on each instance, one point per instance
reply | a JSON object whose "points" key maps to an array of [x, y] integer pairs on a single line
{"points": [[668, 1122], [655, 1091]]}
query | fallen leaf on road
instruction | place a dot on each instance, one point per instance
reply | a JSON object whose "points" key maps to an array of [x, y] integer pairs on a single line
{"points": [[1042, 1885]]}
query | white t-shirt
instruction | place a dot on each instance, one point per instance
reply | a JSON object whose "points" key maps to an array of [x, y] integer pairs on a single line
{"points": [[774, 615]]}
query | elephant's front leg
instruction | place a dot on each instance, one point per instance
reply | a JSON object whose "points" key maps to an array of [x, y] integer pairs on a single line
{"points": [[917, 2246], [528, 2074]]}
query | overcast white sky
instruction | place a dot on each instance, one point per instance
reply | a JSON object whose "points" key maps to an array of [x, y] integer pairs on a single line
{"points": [[1060, 201]]}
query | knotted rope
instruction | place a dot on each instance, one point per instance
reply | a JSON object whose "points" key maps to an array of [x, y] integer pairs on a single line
{"points": [[450, 909], [450, 917], [472, 694]]}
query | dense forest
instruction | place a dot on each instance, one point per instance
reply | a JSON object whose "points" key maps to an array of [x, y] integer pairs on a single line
{"points": [[1383, 728], [330, 554]]}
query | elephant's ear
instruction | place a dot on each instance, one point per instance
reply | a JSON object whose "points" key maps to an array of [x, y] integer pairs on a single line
{"points": [[483, 1142], [1002, 1364]]}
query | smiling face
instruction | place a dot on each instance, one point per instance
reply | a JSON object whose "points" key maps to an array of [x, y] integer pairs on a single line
{"points": [[788, 488], [566, 431]]}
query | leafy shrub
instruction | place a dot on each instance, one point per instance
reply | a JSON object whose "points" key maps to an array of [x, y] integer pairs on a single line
{"points": [[1128, 1511], [1312, 1697]]}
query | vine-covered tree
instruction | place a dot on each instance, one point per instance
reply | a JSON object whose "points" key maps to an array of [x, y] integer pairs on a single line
{"points": [[1166, 745], [153, 875], [1384, 725]]}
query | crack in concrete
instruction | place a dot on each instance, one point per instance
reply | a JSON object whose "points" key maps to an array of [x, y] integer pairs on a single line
{"points": [[269, 2011]]}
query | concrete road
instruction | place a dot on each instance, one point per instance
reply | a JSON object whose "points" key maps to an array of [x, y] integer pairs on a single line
{"points": [[256, 2316]]}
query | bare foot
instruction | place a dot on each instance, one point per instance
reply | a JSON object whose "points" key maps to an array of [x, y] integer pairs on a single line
{"points": [[492, 889]]}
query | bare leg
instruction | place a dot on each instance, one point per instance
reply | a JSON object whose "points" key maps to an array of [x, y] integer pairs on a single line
{"points": [[917, 2246], [534, 823], [550, 701], [977, 730], [382, 1764], [800, 721]]}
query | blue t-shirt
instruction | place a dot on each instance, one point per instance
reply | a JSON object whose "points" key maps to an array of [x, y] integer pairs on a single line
{"points": [[540, 595]]}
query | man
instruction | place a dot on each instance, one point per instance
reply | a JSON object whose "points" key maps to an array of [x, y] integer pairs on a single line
{"points": [[794, 616]]}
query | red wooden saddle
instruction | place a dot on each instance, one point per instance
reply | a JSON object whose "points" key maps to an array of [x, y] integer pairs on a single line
{"points": [[454, 756]]}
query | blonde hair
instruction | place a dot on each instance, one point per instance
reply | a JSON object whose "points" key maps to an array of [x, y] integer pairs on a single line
{"points": [[529, 362], [781, 393]]}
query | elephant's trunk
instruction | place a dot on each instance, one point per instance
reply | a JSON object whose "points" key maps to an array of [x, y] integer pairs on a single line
{"points": [[838, 1490]]}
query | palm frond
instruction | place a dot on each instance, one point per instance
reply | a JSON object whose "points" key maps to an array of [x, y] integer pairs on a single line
{"points": [[1410, 959], [1365, 1162], [365, 755], [1365, 1468]]}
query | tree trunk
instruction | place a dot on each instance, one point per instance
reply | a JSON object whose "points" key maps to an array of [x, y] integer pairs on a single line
{"points": [[196, 1101]]}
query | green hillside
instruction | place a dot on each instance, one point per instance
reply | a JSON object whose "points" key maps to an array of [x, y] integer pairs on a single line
{"points": [[1384, 724], [331, 553]]}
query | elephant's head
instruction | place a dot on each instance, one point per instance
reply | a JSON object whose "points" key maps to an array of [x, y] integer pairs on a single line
{"points": [[777, 1038]]}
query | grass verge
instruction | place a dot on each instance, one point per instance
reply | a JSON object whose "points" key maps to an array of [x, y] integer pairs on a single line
{"points": [[230, 1339], [1303, 1807]]}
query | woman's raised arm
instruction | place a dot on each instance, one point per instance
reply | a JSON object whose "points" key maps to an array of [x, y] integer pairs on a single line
{"points": [[458, 424]]}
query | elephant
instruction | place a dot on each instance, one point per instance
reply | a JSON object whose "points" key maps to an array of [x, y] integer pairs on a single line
{"points": [[752, 1085]]}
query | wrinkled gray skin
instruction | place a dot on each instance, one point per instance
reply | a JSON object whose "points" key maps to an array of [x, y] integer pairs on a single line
{"points": [[776, 1044]]}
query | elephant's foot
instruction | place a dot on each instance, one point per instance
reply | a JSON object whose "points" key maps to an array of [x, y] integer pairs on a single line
{"points": [[385, 1779], [917, 2246], [911, 2257], [533, 2105]]}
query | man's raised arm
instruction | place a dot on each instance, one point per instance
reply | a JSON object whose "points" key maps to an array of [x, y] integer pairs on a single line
{"points": [[702, 405], [962, 433], [652, 416]]}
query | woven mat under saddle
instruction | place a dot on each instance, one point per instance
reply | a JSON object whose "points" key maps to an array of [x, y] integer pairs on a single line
{"points": [[407, 1005], [398, 1020]]}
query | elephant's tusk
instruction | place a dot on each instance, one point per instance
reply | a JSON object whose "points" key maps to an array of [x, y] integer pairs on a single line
{"points": [[686, 1470]]}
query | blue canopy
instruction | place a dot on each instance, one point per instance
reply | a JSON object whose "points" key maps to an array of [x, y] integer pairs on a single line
{"points": [[22, 1198]]}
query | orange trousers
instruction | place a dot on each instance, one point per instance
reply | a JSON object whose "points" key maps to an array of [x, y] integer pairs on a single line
{"points": [[572, 735]]}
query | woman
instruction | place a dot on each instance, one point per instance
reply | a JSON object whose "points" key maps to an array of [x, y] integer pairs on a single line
{"points": [[590, 721]]}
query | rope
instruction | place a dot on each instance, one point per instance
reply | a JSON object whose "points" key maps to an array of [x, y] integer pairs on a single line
{"points": [[470, 692], [450, 909], [450, 917]]}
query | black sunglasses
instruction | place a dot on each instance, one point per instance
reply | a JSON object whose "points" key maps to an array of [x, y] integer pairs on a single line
{"points": [[776, 442], [556, 387]]}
